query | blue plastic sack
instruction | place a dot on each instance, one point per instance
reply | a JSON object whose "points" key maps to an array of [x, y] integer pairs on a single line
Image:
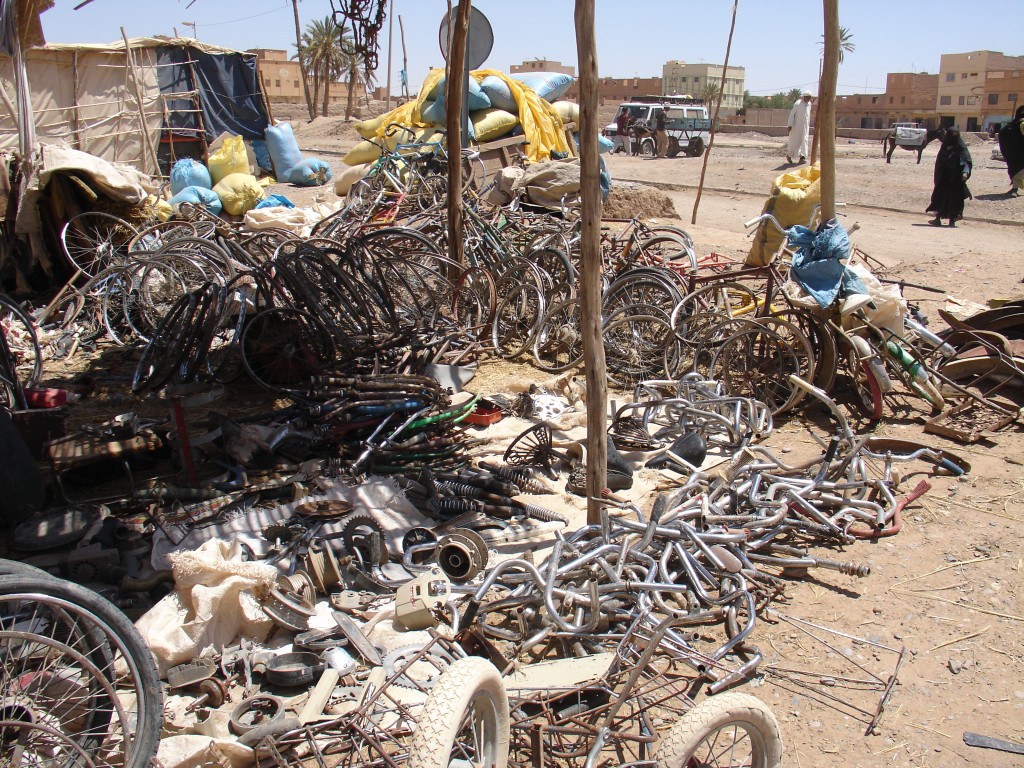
{"points": [[604, 144], [189, 173], [259, 148], [311, 172], [283, 149], [819, 264], [198, 196], [498, 92], [550, 86], [477, 98], [275, 201]]}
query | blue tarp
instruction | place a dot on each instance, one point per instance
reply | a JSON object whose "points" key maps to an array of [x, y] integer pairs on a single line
{"points": [[819, 265]]}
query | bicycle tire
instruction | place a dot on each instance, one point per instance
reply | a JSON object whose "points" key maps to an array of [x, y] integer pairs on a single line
{"points": [[867, 389], [283, 348], [94, 240], [716, 727], [517, 319], [99, 684], [28, 358], [558, 343], [162, 355]]}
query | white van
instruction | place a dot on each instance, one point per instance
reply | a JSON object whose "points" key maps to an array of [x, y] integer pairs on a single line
{"points": [[687, 126]]}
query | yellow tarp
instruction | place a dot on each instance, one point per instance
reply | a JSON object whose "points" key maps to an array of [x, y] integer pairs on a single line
{"points": [[794, 195]]}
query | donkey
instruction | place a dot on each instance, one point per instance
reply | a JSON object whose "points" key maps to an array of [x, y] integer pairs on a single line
{"points": [[889, 143]]}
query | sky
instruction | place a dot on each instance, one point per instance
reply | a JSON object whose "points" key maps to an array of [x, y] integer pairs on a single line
{"points": [[777, 42]]}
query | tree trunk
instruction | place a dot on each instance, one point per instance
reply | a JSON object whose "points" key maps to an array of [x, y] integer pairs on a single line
{"points": [[351, 101], [302, 64], [327, 93], [827, 110], [316, 92]]}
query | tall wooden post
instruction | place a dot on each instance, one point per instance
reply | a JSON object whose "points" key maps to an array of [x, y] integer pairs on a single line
{"points": [[137, 91], [590, 287], [714, 119], [453, 98], [391, 37], [827, 110]]}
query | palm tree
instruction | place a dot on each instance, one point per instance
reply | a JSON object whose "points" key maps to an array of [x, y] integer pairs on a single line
{"points": [[845, 46], [302, 63], [709, 93], [354, 68], [324, 56]]}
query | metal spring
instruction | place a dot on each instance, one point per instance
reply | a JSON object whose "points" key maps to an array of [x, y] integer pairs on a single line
{"points": [[523, 477]]}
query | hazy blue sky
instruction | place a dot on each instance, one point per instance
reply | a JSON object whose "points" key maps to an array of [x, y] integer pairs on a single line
{"points": [[777, 42]]}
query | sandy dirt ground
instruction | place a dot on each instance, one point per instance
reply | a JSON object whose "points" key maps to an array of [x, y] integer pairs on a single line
{"points": [[948, 588]]}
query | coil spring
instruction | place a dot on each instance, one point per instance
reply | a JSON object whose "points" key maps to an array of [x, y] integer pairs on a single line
{"points": [[522, 477]]}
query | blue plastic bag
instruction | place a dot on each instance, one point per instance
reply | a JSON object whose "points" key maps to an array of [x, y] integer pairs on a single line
{"points": [[283, 149], [498, 92], [189, 173], [477, 98], [550, 86], [275, 201], [311, 172], [198, 196]]}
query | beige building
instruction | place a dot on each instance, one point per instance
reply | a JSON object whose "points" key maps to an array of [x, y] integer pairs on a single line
{"points": [[615, 90], [962, 92], [680, 78], [542, 65], [282, 78]]}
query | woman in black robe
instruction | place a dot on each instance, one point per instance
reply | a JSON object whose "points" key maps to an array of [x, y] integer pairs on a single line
{"points": [[952, 170], [1011, 144]]}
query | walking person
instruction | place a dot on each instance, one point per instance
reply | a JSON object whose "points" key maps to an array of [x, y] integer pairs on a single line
{"points": [[1011, 145], [622, 130], [799, 124], [953, 167], [661, 133]]}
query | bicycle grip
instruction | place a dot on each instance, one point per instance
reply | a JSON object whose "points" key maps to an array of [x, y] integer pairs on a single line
{"points": [[952, 466], [752, 222]]}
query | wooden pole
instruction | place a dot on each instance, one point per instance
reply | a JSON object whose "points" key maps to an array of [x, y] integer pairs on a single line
{"points": [[817, 113], [310, 108], [590, 287], [453, 98], [714, 120], [405, 59], [827, 110], [76, 121], [138, 101], [391, 37]]}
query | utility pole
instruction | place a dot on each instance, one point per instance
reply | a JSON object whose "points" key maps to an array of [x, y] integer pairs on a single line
{"points": [[391, 31]]}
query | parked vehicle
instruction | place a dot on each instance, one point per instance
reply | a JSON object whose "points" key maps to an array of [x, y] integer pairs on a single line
{"points": [[688, 125]]}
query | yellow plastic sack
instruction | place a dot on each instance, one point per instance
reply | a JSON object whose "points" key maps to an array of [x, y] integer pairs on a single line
{"points": [[368, 128], [228, 159], [569, 111], [541, 124], [794, 195], [239, 192], [350, 176], [363, 152], [492, 123]]}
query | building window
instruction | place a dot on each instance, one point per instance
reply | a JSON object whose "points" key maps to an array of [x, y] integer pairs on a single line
{"points": [[963, 75], [950, 77], [892, 99], [974, 74], [972, 100], [993, 98], [277, 84], [295, 83], [1012, 98], [944, 100], [961, 100], [903, 99]]}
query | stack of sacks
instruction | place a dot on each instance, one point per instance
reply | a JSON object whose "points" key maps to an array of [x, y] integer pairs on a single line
{"points": [[499, 105], [288, 162], [191, 183]]}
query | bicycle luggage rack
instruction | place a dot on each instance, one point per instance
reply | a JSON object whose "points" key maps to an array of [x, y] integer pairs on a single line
{"points": [[969, 421]]}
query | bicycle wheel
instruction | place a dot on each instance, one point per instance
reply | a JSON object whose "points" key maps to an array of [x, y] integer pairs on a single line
{"points": [[757, 362], [517, 319], [283, 348], [22, 341], [94, 240], [866, 386], [80, 687], [634, 342], [558, 343], [732, 729], [161, 359], [474, 300], [465, 719]]}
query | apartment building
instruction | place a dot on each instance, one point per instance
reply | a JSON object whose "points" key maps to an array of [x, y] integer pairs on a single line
{"points": [[614, 90], [965, 83], [681, 78], [1004, 92], [282, 78], [542, 65]]}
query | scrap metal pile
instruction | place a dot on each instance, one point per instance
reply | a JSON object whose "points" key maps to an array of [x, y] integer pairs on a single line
{"points": [[344, 590]]}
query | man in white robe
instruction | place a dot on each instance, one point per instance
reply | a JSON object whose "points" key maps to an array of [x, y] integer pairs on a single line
{"points": [[799, 129]]}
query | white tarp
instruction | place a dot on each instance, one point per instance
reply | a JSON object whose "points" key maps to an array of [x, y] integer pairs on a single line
{"points": [[910, 137]]}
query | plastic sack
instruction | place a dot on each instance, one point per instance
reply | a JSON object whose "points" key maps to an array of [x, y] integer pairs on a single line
{"points": [[363, 152], [348, 177], [499, 93], [239, 192], [492, 123], [368, 128], [550, 86], [203, 196], [189, 173], [284, 150], [259, 149], [228, 159], [792, 201], [604, 144], [569, 111], [275, 201], [163, 210], [539, 121], [311, 172], [477, 98]]}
